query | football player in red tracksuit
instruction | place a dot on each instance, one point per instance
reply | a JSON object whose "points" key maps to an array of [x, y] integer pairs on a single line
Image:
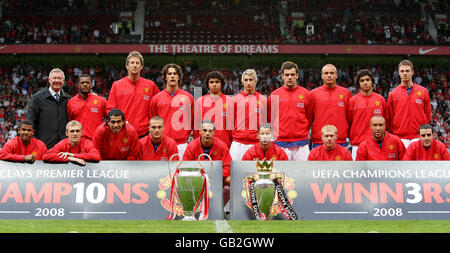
{"points": [[86, 107], [75, 149], [265, 148], [362, 107], [408, 106], [214, 147], [117, 140], [133, 93], [250, 110], [214, 106], [24, 148], [295, 107], [331, 102], [381, 145], [329, 151], [427, 148], [175, 106], [156, 146]]}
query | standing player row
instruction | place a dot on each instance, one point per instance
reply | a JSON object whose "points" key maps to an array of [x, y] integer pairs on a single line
{"points": [[296, 114]]}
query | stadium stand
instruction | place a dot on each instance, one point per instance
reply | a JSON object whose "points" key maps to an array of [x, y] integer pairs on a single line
{"points": [[193, 21]]}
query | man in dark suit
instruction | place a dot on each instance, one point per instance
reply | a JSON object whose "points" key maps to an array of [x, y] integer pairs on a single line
{"points": [[48, 110]]}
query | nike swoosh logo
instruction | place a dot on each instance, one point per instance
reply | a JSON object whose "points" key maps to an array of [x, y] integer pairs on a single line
{"points": [[2, 47], [421, 51]]}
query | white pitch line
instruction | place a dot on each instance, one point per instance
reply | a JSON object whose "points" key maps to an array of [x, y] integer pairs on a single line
{"points": [[223, 227]]}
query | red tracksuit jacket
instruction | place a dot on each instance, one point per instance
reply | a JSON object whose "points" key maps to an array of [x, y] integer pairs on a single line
{"points": [[15, 150], [209, 108], [406, 113], [249, 112], [437, 151], [84, 150], [359, 111], [256, 152], [339, 153], [133, 99], [89, 113], [219, 151], [391, 149], [295, 113], [330, 109], [178, 108], [166, 149], [122, 146]]}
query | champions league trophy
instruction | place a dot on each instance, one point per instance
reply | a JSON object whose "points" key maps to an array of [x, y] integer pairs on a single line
{"points": [[263, 188], [190, 188]]}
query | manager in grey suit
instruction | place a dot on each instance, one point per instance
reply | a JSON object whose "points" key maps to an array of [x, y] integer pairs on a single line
{"points": [[48, 110]]}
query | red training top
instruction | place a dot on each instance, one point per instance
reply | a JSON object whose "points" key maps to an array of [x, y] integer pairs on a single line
{"points": [[437, 151], [359, 111], [133, 99], [89, 112], [210, 107], [166, 149], [392, 148], [219, 151], [339, 153], [15, 150], [406, 113], [256, 152], [295, 113], [249, 112], [330, 109], [84, 150], [177, 111], [122, 146]]}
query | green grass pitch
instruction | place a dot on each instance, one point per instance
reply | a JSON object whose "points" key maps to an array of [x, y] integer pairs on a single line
{"points": [[234, 226]]}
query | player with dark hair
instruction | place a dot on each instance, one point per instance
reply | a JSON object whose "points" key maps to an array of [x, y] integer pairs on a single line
{"points": [[133, 93], [23, 147], [75, 149], [214, 147], [293, 114], [329, 151], [250, 110], [156, 146], [175, 106], [362, 107], [408, 106], [214, 106], [330, 107], [116, 139], [381, 145], [265, 148], [427, 147], [86, 107]]}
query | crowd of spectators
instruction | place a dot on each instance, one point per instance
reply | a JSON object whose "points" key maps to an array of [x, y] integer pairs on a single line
{"points": [[357, 22], [17, 83], [399, 22], [67, 21]]}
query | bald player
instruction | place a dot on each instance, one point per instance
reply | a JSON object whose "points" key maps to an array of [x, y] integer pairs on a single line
{"points": [[381, 145]]}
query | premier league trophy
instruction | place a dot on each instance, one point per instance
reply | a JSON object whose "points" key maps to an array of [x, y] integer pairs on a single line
{"points": [[190, 189], [263, 188]]}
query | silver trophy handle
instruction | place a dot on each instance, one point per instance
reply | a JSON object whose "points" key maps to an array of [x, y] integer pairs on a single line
{"points": [[209, 157], [170, 161]]}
